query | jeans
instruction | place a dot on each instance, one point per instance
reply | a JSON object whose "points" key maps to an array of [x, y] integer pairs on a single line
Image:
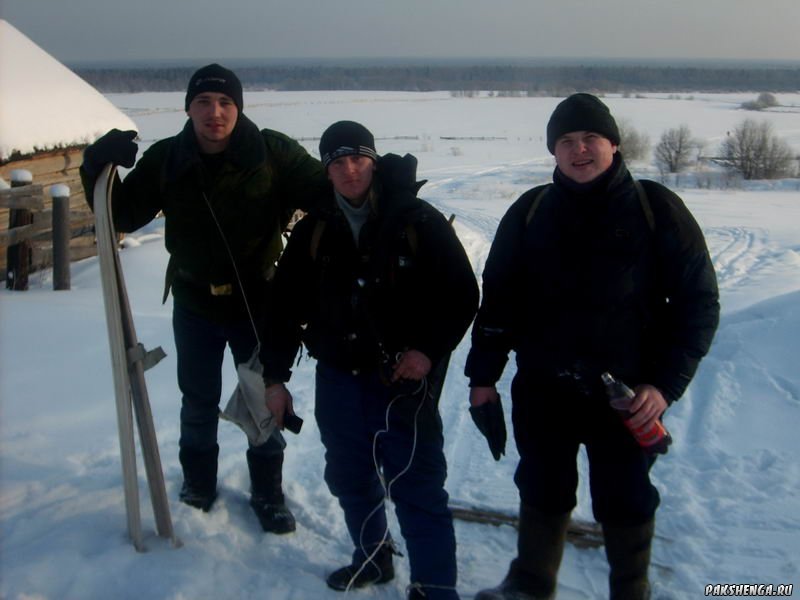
{"points": [[200, 345], [352, 412]]}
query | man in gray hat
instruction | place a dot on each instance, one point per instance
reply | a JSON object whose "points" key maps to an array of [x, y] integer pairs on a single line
{"points": [[594, 273], [227, 191]]}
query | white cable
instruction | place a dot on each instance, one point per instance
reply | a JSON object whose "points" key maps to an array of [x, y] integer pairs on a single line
{"points": [[423, 387]]}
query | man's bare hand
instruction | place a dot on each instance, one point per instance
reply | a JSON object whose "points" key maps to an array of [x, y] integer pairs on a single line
{"points": [[480, 395], [413, 365], [647, 406], [279, 402]]}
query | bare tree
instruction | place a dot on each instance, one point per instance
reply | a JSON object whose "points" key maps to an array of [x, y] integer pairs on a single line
{"points": [[674, 150], [767, 100], [633, 144], [764, 100], [753, 150]]}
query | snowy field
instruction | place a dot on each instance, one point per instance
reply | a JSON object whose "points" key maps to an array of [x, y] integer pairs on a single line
{"points": [[730, 485]]}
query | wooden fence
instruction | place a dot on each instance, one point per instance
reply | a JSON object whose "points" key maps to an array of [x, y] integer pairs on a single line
{"points": [[27, 216]]}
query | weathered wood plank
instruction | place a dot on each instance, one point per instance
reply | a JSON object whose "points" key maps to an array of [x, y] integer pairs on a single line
{"points": [[29, 197], [582, 534]]}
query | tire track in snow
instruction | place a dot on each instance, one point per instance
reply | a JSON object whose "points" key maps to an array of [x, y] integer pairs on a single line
{"points": [[735, 251], [472, 193]]}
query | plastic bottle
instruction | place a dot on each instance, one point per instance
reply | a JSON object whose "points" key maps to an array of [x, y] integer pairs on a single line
{"points": [[654, 439]]}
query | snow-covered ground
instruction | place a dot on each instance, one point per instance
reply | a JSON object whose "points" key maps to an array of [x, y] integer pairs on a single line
{"points": [[730, 485]]}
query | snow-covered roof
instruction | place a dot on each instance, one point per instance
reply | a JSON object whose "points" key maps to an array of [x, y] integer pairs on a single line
{"points": [[44, 105]]}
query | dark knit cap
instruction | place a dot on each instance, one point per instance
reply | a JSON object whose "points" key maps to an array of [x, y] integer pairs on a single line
{"points": [[581, 112], [345, 138], [215, 78]]}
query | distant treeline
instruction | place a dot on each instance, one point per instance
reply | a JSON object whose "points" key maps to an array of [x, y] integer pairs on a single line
{"points": [[532, 80]]}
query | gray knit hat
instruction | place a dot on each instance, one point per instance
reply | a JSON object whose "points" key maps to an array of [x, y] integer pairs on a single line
{"points": [[581, 112]]}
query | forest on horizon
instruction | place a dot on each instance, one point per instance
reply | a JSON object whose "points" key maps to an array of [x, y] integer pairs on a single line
{"points": [[523, 79]]}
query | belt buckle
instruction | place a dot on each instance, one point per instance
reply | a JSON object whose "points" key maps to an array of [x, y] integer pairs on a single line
{"points": [[226, 289]]}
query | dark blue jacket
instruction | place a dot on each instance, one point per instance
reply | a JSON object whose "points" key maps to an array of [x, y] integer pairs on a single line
{"points": [[408, 284]]}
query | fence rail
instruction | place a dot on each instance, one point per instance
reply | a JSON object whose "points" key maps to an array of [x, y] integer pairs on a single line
{"points": [[43, 233]]}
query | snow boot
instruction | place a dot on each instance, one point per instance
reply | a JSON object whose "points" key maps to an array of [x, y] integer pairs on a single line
{"points": [[266, 495], [540, 545], [361, 573], [199, 488], [628, 553]]}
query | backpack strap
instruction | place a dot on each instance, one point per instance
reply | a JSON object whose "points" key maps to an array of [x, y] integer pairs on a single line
{"points": [[319, 229], [536, 202], [412, 238], [645, 202], [640, 193], [316, 236]]}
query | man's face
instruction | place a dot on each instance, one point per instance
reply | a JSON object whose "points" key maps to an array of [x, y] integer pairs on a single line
{"points": [[584, 155], [213, 116], [351, 177]]}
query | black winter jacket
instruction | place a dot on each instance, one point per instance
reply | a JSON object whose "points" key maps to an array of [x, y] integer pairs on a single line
{"points": [[408, 284], [260, 179], [587, 286]]}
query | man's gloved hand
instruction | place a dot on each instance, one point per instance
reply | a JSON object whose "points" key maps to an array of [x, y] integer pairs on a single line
{"points": [[115, 147], [490, 421]]}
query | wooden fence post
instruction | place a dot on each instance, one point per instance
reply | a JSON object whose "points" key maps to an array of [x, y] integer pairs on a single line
{"points": [[61, 236], [18, 258]]}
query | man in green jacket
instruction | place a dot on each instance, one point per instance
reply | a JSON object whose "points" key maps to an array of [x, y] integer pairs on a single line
{"points": [[227, 190]]}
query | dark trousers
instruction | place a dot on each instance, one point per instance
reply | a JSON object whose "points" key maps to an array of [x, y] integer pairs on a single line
{"points": [[551, 419], [200, 346], [350, 411]]}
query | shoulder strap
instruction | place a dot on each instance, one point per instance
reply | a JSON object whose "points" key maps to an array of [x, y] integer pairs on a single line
{"points": [[319, 229], [411, 236], [640, 192], [536, 202], [316, 236], [645, 202]]}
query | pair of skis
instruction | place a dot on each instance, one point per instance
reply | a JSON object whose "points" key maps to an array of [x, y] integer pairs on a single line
{"points": [[129, 361]]}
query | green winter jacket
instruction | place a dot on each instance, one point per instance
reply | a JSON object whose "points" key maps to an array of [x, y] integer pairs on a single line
{"points": [[262, 178]]}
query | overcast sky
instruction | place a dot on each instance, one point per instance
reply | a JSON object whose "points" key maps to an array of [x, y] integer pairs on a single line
{"points": [[193, 30]]}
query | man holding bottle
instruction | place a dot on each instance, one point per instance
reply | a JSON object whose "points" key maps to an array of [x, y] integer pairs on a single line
{"points": [[593, 273]]}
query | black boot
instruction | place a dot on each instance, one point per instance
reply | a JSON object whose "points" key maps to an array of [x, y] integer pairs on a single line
{"points": [[353, 576], [628, 553], [540, 545], [266, 495], [199, 487]]}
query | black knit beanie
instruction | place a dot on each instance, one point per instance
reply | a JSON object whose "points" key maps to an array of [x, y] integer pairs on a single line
{"points": [[215, 78], [345, 138], [581, 112]]}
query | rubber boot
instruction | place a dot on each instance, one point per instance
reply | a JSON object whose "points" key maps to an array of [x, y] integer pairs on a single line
{"points": [[199, 488], [540, 546], [266, 494], [358, 574], [628, 553]]}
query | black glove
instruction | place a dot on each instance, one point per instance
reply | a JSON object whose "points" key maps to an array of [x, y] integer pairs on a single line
{"points": [[491, 423], [115, 147]]}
